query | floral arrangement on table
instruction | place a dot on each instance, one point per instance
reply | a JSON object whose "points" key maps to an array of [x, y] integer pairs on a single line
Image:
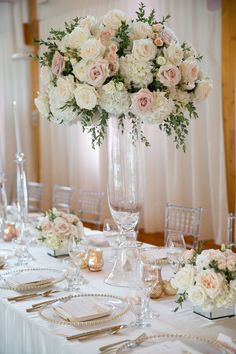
{"points": [[208, 280], [57, 227], [133, 69]]}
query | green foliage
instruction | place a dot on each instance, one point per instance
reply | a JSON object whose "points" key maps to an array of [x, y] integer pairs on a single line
{"points": [[70, 26], [182, 297], [165, 19], [200, 246], [122, 36], [51, 215], [141, 15]]}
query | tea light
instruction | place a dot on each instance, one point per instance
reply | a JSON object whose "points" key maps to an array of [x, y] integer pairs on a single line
{"points": [[10, 232], [168, 288], [95, 259]]}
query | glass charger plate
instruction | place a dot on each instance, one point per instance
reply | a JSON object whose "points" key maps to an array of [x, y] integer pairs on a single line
{"points": [[118, 305], [163, 344], [56, 275], [7, 253]]}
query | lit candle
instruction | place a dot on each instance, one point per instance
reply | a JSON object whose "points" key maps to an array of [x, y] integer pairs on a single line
{"points": [[17, 128]]}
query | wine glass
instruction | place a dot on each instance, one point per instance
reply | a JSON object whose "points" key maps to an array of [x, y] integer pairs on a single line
{"points": [[150, 273], [111, 233], [176, 246], [78, 250]]}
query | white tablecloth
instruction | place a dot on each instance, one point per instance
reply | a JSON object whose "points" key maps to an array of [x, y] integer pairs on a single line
{"points": [[27, 333]]}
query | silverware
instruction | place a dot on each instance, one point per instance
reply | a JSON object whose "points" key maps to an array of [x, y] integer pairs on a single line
{"points": [[29, 296], [135, 341], [37, 307], [97, 332]]}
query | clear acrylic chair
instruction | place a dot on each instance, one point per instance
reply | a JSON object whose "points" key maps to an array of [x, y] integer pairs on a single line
{"points": [[61, 197], [231, 232], [185, 220], [35, 194], [90, 207]]}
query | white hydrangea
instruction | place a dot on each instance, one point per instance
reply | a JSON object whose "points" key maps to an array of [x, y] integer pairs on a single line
{"points": [[161, 109], [114, 98], [138, 73]]}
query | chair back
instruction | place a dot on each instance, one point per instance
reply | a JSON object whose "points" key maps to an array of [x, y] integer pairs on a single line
{"points": [[231, 224], [35, 194], [90, 206], [185, 220], [61, 197]]}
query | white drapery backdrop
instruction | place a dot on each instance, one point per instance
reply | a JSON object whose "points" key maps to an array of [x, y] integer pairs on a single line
{"points": [[196, 178], [14, 85]]}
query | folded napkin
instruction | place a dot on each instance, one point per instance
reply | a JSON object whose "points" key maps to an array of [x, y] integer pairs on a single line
{"points": [[79, 309], [27, 279], [167, 347]]}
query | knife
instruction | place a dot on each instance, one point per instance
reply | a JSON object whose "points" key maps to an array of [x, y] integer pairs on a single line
{"points": [[96, 332]]}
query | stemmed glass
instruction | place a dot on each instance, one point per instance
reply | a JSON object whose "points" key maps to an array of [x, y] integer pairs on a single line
{"points": [[176, 246], [78, 250], [111, 233]]}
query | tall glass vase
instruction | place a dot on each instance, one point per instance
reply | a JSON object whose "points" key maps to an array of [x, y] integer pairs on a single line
{"points": [[22, 195], [3, 204], [124, 193]]}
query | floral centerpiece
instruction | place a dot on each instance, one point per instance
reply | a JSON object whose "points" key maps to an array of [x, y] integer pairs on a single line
{"points": [[208, 280], [133, 69], [56, 228]]}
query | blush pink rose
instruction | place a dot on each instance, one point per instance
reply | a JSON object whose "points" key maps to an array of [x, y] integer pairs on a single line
{"points": [[113, 67], [58, 63], [106, 35], [158, 42], [142, 101], [221, 263], [113, 47], [168, 36], [231, 263], [169, 75], [97, 73], [62, 227], [210, 281], [190, 71]]}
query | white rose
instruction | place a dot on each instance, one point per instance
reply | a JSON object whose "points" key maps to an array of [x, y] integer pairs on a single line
{"points": [[144, 49], [174, 54], [197, 295], [202, 90], [85, 96], [113, 19], [140, 30], [92, 49], [233, 285], [210, 281], [75, 39], [190, 71], [42, 103], [80, 70], [65, 88], [184, 278], [46, 75], [89, 22]]}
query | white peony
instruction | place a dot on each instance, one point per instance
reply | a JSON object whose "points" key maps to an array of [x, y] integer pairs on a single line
{"points": [[89, 22], [161, 109], [174, 54], [46, 75], [42, 103], [85, 96], [113, 19], [184, 279], [197, 295], [202, 90], [92, 49], [138, 73], [140, 30], [144, 49]]}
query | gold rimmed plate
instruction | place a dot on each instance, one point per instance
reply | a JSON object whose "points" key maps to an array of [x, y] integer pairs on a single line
{"points": [[117, 306], [37, 278], [167, 341]]}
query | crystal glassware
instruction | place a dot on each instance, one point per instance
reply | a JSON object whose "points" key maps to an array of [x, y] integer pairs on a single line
{"points": [[176, 246], [3, 204], [78, 251]]}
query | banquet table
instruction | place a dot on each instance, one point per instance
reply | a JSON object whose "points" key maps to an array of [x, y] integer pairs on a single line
{"points": [[27, 333]]}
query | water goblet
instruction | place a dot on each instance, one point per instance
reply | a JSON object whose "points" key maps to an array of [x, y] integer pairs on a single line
{"points": [[69, 271], [78, 251], [176, 246]]}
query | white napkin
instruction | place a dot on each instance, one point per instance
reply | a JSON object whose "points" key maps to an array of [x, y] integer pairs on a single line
{"points": [[28, 278], [80, 309]]}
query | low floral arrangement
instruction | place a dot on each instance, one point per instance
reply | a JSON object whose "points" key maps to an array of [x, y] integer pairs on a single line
{"points": [[208, 280], [133, 69], [56, 228]]}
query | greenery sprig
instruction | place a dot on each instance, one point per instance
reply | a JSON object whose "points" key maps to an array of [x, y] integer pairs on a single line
{"points": [[122, 36]]}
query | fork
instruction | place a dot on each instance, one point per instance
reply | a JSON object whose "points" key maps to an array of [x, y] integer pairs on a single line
{"points": [[106, 349], [29, 296]]}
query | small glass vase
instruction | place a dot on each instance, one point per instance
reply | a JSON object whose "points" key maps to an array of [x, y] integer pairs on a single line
{"points": [[216, 313], [124, 189]]}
